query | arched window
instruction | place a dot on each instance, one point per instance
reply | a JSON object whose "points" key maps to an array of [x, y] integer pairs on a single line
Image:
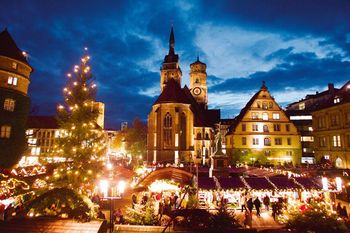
{"points": [[167, 130], [183, 130], [265, 116], [267, 141], [264, 105], [199, 136]]}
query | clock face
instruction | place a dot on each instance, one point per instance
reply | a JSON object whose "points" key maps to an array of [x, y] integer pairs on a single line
{"points": [[197, 91]]}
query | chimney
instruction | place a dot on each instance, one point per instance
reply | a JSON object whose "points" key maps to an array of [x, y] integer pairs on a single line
{"points": [[331, 87]]}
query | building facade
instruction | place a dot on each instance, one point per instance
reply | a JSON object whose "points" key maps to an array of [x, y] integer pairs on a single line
{"points": [[14, 102], [180, 126], [262, 133], [331, 124]]}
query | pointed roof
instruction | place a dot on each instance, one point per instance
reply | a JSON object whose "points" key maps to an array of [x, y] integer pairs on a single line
{"points": [[197, 62], [8, 48], [172, 93], [171, 57]]}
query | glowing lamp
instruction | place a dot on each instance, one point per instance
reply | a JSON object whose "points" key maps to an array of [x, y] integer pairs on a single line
{"points": [[104, 187], [121, 187], [325, 183], [338, 183]]}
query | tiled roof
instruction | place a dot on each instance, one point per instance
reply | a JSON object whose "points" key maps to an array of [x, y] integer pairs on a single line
{"points": [[8, 48], [172, 93], [42, 122]]}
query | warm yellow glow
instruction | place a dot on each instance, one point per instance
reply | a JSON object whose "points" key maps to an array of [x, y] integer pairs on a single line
{"points": [[325, 183], [121, 186], [104, 187], [338, 183]]}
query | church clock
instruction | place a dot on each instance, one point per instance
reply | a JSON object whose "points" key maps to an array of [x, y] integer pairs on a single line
{"points": [[197, 91]]}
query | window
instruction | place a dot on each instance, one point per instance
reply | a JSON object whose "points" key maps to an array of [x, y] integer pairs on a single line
{"points": [[167, 130], [289, 153], [14, 65], [267, 152], [255, 141], [322, 142], [12, 81], [267, 141], [270, 104], [334, 119], [206, 136], [244, 141], [266, 128], [278, 141], [276, 127], [301, 106], [199, 136], [347, 118], [287, 127], [258, 104], [289, 141], [264, 105], [255, 127], [336, 141], [255, 115], [307, 138], [9, 105], [244, 127], [5, 131], [265, 116], [321, 122], [276, 116], [336, 100]]}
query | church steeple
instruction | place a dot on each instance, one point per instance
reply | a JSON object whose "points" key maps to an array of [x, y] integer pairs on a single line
{"points": [[170, 68], [172, 42]]}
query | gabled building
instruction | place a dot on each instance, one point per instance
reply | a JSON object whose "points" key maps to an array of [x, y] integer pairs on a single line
{"points": [[180, 126], [14, 102], [331, 128], [262, 133]]}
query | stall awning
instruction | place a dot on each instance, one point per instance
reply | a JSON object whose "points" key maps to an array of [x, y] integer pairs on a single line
{"points": [[259, 183], [232, 183], [284, 183], [308, 183], [206, 183]]}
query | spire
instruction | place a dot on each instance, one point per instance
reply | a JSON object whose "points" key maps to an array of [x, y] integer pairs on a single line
{"points": [[263, 85], [172, 42]]}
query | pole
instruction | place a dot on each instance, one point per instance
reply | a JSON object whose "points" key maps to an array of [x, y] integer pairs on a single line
{"points": [[110, 216]]}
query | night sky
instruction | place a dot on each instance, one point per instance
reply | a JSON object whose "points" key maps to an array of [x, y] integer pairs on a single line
{"points": [[297, 47]]}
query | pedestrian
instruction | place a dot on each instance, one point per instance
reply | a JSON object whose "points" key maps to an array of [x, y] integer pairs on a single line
{"points": [[274, 210], [243, 202], [266, 201], [160, 209], [344, 212], [133, 200], [250, 205], [339, 209], [257, 204]]}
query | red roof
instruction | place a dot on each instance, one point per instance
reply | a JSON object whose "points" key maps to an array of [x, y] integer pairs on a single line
{"points": [[8, 48]]}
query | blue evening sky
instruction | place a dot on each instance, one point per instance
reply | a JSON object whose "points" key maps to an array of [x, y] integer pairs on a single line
{"points": [[296, 46]]}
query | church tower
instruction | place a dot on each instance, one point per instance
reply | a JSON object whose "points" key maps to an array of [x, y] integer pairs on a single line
{"points": [[198, 82], [170, 68]]}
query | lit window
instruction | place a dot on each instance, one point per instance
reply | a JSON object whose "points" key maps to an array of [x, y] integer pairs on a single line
{"points": [[12, 81], [310, 129], [336, 141], [276, 116], [336, 100], [267, 141], [264, 105], [265, 116], [9, 105], [14, 65], [266, 128], [255, 115], [5, 131], [167, 130], [255, 141], [307, 138], [301, 106]]}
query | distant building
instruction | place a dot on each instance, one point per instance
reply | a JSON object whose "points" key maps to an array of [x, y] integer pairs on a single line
{"points": [[180, 126], [263, 133], [14, 102], [331, 128], [124, 126]]}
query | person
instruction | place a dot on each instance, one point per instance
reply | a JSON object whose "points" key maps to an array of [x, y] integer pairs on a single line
{"points": [[266, 201], [339, 209], [118, 216], [344, 212], [160, 209], [274, 210], [134, 200], [250, 205], [100, 214], [247, 218], [243, 203], [257, 204]]}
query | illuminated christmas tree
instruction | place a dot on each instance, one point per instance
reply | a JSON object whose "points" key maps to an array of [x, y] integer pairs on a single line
{"points": [[81, 140]]}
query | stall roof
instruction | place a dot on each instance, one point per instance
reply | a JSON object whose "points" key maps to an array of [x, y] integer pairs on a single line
{"points": [[206, 183], [284, 183], [231, 183], [259, 183], [308, 183]]}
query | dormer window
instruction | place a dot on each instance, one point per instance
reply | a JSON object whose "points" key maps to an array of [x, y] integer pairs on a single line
{"points": [[301, 106], [12, 81], [14, 65], [336, 100]]}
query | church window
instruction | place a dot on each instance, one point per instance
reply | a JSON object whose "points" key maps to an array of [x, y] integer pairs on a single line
{"points": [[9, 105], [5, 131], [167, 130], [183, 130]]}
